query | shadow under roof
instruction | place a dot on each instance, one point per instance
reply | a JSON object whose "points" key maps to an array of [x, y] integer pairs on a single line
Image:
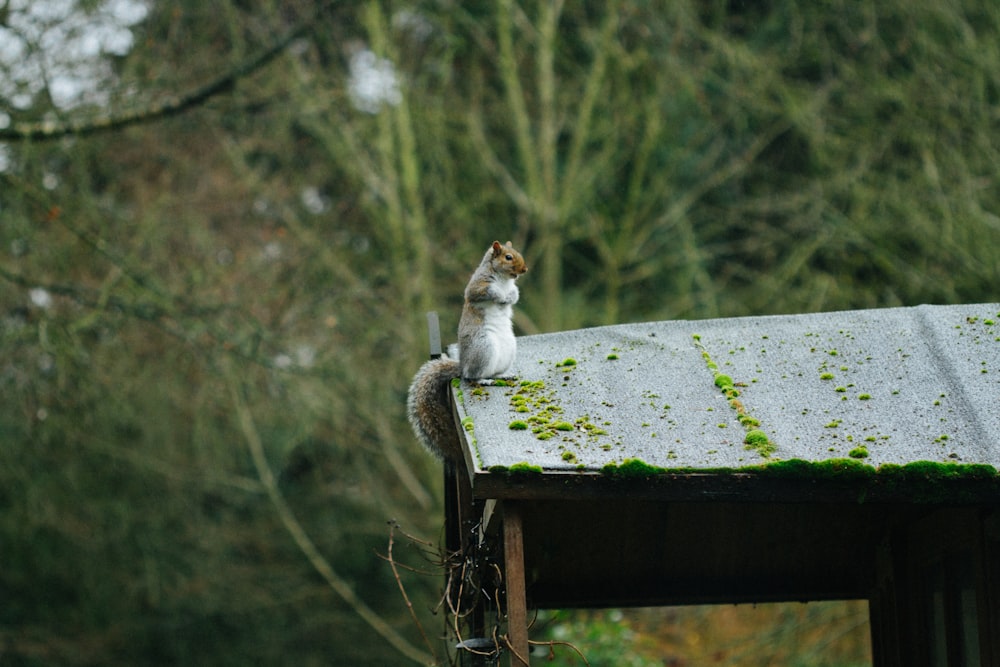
{"points": [[883, 388]]}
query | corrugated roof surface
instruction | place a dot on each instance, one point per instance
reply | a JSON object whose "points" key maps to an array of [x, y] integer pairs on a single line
{"points": [[883, 386]]}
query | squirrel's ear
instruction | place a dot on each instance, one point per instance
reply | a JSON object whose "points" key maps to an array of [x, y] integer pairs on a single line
{"points": [[509, 245], [496, 247]]}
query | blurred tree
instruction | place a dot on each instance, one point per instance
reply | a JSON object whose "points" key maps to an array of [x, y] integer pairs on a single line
{"points": [[218, 240]]}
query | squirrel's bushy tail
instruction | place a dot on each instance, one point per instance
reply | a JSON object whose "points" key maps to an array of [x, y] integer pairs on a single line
{"points": [[428, 408]]}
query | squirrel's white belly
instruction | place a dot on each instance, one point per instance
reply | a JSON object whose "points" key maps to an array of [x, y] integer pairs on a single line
{"points": [[502, 344]]}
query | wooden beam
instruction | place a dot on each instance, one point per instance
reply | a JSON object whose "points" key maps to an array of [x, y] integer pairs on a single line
{"points": [[991, 563], [517, 612]]}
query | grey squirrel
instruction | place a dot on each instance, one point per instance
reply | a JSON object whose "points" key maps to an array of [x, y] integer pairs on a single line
{"points": [[486, 349]]}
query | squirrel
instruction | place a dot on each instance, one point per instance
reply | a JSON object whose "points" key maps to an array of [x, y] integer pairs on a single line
{"points": [[486, 349]]}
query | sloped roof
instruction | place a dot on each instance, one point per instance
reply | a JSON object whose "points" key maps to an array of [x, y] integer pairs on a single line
{"points": [[886, 386]]}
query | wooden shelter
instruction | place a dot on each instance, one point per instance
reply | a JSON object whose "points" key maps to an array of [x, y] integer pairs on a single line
{"points": [[847, 455]]}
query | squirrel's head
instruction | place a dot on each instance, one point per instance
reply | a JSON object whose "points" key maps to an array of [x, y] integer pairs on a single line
{"points": [[508, 258]]}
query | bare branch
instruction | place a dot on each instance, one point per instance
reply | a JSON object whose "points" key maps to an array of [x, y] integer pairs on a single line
{"points": [[299, 535], [173, 106], [402, 590]]}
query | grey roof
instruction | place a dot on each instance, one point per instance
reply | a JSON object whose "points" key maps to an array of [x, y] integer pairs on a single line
{"points": [[883, 386]]}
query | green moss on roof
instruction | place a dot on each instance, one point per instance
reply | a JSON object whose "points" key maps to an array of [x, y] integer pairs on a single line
{"points": [[523, 468], [925, 470], [839, 469], [723, 381], [756, 439], [829, 469], [632, 468]]}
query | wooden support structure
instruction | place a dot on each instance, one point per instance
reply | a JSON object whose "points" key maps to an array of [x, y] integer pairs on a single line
{"points": [[517, 609], [601, 511]]}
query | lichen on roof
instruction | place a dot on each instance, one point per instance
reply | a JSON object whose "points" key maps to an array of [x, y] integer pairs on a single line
{"points": [[886, 387]]}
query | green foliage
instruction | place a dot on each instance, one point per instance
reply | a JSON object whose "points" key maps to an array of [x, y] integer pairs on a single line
{"points": [[604, 638], [734, 635]]}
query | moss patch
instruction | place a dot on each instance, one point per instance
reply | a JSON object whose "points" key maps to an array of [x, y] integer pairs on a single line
{"points": [[631, 468], [467, 423], [723, 381], [756, 439], [522, 468], [858, 453], [544, 416], [840, 469], [925, 481]]}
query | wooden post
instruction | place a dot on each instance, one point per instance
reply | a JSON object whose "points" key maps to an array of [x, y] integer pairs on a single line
{"points": [[453, 510], [434, 334], [517, 612]]}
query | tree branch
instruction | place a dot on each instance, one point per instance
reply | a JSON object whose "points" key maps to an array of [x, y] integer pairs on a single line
{"points": [[301, 538], [173, 106]]}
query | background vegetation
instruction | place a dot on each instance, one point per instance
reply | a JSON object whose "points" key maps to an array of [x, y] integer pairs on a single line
{"points": [[216, 254]]}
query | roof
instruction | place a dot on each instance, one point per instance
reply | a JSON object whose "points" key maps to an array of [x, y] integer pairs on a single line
{"points": [[867, 389]]}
